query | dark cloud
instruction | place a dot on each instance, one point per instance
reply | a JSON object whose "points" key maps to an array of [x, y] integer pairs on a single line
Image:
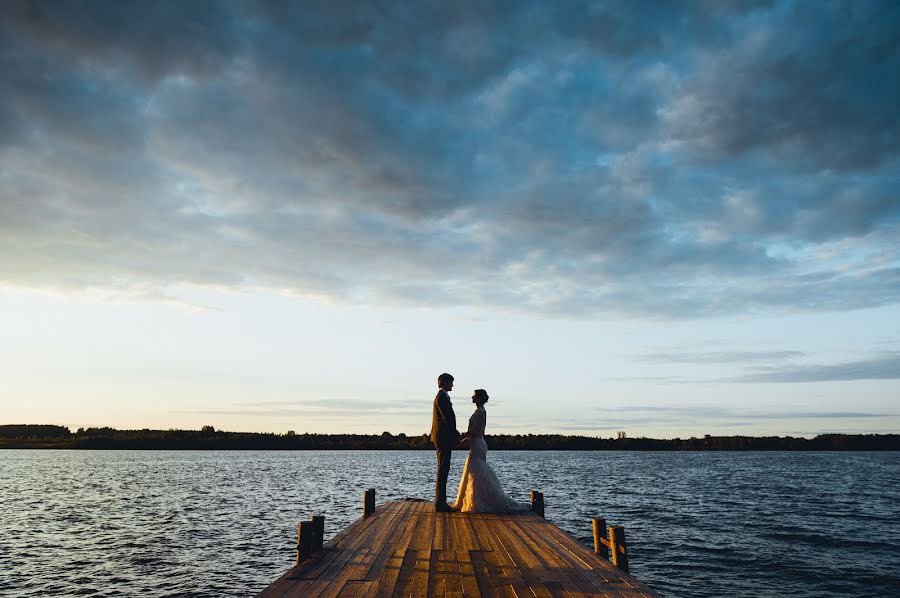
{"points": [[818, 98], [879, 367], [675, 160], [130, 37]]}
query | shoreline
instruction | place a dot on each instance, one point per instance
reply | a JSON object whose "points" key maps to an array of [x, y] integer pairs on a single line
{"points": [[208, 438]]}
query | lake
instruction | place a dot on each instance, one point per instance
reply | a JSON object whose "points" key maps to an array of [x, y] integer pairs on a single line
{"points": [[192, 523]]}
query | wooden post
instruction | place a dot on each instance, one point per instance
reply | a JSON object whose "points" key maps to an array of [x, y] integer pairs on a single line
{"points": [[537, 502], [306, 535], [619, 547], [369, 502], [319, 524], [599, 524]]}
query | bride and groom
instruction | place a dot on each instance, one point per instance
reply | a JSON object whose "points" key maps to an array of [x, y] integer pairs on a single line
{"points": [[480, 490]]}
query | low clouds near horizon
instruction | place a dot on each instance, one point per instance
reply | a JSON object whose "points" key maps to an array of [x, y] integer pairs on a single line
{"points": [[774, 366], [666, 159]]}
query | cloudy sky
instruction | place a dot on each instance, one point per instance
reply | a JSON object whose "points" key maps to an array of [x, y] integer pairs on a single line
{"points": [[667, 218]]}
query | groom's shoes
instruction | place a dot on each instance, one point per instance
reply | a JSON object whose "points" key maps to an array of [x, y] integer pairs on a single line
{"points": [[443, 508]]}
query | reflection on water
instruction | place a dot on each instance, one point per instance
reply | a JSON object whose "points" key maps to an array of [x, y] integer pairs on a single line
{"points": [[223, 523]]}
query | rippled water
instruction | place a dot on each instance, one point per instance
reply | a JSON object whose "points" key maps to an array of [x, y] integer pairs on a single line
{"points": [[181, 523]]}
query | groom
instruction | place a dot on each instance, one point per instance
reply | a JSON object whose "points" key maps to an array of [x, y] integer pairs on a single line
{"points": [[445, 436]]}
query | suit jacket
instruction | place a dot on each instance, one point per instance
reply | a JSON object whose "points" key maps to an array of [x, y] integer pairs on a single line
{"points": [[443, 422]]}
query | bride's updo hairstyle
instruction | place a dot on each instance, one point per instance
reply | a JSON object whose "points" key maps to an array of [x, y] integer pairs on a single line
{"points": [[482, 395]]}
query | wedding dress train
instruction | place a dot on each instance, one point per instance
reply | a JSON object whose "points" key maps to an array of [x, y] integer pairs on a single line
{"points": [[480, 490]]}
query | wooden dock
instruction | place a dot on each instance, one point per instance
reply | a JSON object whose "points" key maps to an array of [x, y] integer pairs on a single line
{"points": [[405, 548]]}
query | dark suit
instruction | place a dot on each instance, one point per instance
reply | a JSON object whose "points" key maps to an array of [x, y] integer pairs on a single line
{"points": [[444, 435]]}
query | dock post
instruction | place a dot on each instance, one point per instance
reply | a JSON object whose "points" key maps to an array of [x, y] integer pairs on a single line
{"points": [[306, 533], [600, 537], [319, 521], [537, 502], [618, 547], [369, 502]]}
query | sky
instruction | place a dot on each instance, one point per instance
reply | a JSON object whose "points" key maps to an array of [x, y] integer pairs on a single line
{"points": [[668, 219]]}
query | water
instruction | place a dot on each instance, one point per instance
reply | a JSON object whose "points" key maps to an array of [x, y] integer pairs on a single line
{"points": [[182, 523]]}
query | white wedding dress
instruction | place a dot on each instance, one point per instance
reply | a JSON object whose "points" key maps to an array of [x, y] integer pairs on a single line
{"points": [[480, 490]]}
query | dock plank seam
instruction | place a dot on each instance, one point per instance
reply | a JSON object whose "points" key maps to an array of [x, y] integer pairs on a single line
{"points": [[406, 549]]}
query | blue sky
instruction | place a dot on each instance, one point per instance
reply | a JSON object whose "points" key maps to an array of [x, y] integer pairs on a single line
{"points": [[666, 218]]}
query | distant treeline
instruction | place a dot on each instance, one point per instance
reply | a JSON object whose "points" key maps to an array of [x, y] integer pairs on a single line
{"points": [[208, 438]]}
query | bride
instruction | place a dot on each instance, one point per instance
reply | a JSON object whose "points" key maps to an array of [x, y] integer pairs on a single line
{"points": [[480, 490]]}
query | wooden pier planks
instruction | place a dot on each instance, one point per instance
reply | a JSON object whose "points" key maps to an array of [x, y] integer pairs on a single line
{"points": [[406, 549]]}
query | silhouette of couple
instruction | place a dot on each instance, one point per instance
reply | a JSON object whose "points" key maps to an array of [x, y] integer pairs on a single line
{"points": [[480, 490]]}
